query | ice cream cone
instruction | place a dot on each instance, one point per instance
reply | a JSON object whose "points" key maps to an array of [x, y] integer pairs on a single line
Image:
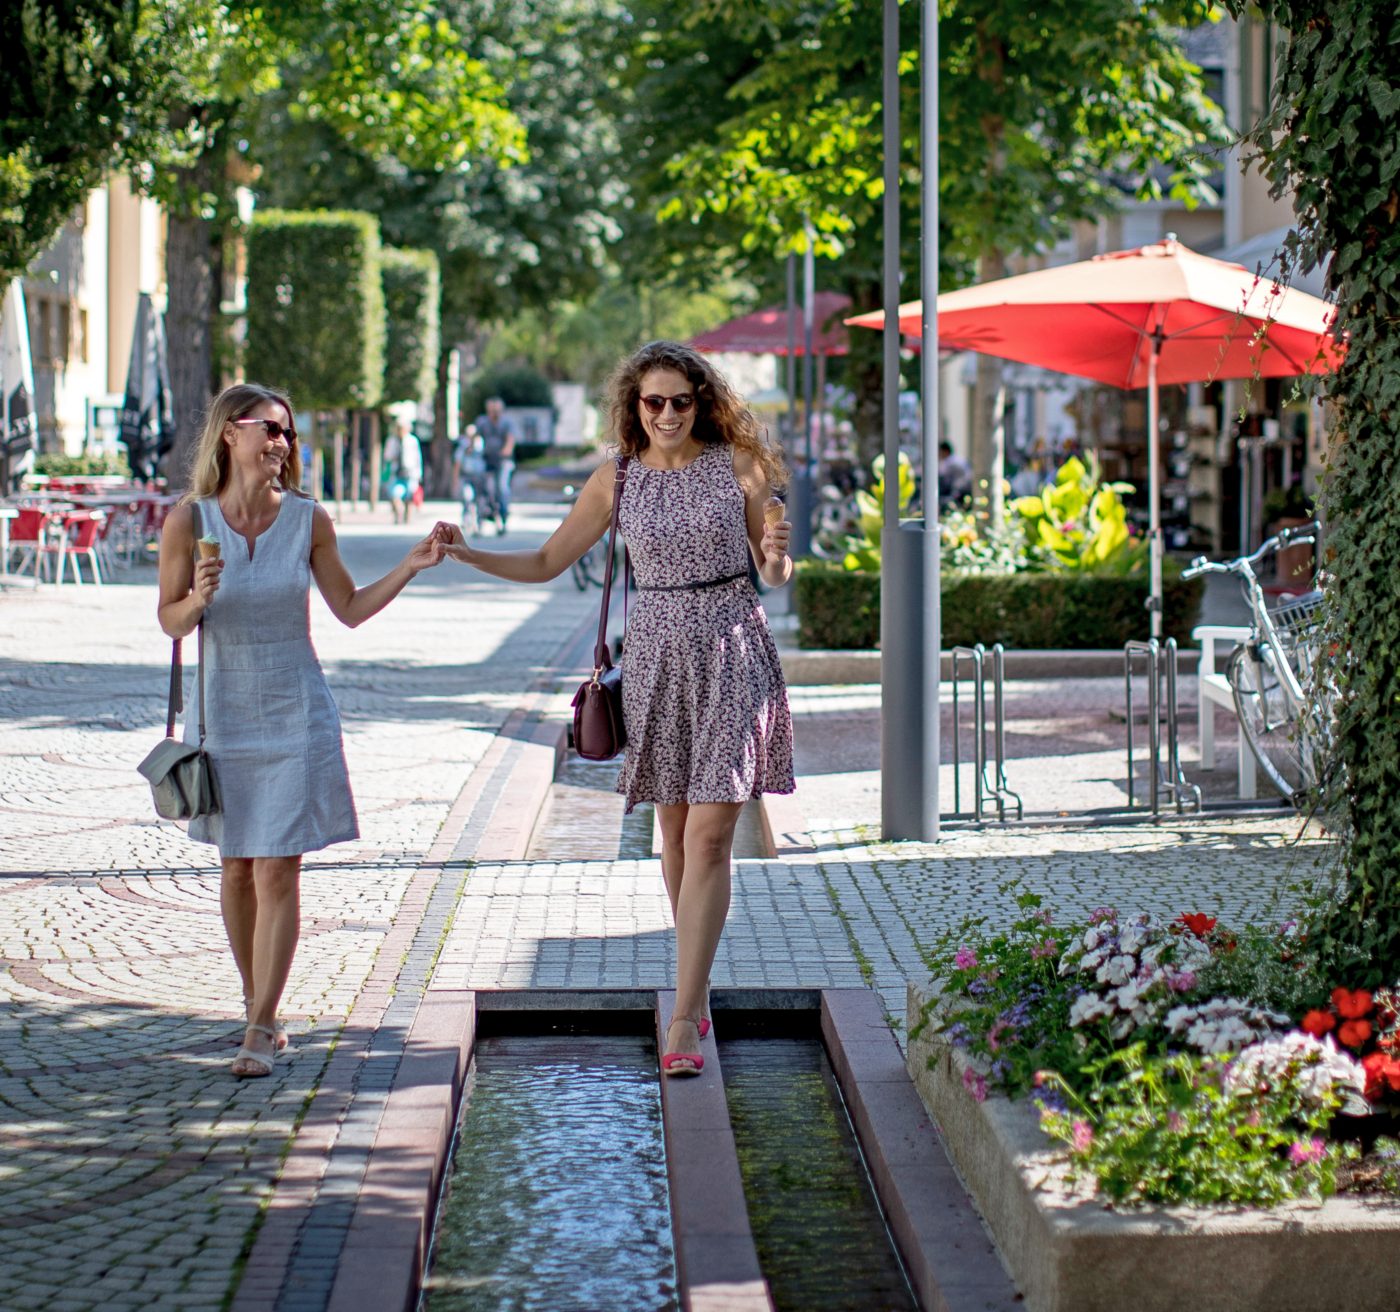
{"points": [[208, 548], [773, 510]]}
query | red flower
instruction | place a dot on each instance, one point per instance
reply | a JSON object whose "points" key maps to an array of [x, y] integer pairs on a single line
{"points": [[1381, 1071], [1354, 1032], [1317, 1023], [1351, 1004], [1200, 925]]}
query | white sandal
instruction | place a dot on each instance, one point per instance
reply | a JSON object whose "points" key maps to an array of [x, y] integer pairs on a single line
{"points": [[279, 1026], [245, 1053]]}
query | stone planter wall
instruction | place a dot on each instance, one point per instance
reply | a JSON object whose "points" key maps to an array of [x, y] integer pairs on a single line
{"points": [[1069, 1253]]}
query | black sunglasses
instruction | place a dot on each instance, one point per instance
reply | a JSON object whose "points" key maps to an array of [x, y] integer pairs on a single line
{"points": [[274, 429], [680, 404]]}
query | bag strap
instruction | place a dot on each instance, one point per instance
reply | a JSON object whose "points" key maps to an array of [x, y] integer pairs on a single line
{"points": [[601, 660], [175, 701]]}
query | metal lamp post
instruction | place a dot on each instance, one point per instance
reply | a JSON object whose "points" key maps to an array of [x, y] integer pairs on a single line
{"points": [[910, 618]]}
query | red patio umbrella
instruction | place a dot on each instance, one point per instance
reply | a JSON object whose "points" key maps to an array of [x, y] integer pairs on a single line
{"points": [[764, 332], [1137, 318]]}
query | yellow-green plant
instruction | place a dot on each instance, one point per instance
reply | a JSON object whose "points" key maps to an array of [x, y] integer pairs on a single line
{"points": [[863, 552], [1079, 522]]}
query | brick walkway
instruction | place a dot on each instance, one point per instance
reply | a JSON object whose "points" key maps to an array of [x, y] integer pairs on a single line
{"points": [[140, 1175]]}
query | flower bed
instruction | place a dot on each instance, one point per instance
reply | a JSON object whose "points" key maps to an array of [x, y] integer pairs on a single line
{"points": [[1153, 1073]]}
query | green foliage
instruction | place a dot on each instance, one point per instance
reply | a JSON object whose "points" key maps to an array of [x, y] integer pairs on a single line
{"points": [[1003, 998], [836, 608], [863, 552], [514, 384], [316, 307], [968, 541], [750, 120], [58, 466], [85, 87], [841, 608], [1327, 141], [1168, 1129], [411, 295], [1079, 522]]}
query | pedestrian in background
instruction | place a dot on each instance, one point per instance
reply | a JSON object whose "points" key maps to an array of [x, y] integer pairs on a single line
{"points": [[705, 705], [272, 729], [498, 437], [403, 469]]}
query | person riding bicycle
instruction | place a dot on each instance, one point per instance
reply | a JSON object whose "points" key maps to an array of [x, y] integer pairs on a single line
{"points": [[498, 438]]}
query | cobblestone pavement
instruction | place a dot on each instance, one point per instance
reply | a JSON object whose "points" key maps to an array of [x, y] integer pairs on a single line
{"points": [[136, 1171], [134, 1168]]}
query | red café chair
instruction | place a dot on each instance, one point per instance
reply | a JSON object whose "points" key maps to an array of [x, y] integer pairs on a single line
{"points": [[38, 539], [80, 538]]}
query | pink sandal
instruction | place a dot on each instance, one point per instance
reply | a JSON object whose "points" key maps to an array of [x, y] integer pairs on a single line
{"points": [[671, 1062]]}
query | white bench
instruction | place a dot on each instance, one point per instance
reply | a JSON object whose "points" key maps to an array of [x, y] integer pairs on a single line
{"points": [[1212, 690]]}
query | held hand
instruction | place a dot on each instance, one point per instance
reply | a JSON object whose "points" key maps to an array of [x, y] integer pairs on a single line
{"points": [[453, 541], [426, 554], [775, 541], [206, 581]]}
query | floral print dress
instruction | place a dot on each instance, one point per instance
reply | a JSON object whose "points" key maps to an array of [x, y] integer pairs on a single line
{"points": [[703, 695]]}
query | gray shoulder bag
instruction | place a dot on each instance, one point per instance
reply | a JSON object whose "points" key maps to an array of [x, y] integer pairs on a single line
{"points": [[181, 775]]}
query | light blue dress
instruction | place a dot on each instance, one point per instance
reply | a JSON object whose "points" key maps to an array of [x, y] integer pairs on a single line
{"points": [[271, 726]]}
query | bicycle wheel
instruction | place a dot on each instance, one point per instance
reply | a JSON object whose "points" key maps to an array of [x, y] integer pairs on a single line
{"points": [[579, 572], [1271, 731]]}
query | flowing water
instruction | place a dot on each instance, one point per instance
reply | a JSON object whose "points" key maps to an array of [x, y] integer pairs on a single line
{"points": [[821, 1238], [557, 1194]]}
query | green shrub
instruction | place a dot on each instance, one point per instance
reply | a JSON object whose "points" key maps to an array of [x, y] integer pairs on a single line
{"points": [[836, 608], [316, 307], [56, 466], [839, 608], [411, 296]]}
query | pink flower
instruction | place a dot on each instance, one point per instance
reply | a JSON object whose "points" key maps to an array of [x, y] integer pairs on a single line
{"points": [[1083, 1136], [1176, 1122], [965, 959], [975, 1084], [1306, 1151], [1183, 981], [1100, 914], [1046, 949]]}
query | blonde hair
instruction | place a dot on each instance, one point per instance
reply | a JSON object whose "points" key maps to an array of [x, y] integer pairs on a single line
{"points": [[720, 413], [209, 465]]}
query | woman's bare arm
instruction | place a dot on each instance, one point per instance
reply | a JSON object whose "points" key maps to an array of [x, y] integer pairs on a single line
{"points": [[767, 542], [185, 589], [586, 522], [352, 606]]}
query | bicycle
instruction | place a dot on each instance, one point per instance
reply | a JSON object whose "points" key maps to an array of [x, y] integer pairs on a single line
{"points": [[1271, 674]]}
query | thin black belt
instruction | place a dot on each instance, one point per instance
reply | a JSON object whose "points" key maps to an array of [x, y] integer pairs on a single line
{"points": [[693, 587]]}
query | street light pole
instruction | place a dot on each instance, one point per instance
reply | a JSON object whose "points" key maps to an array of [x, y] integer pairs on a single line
{"points": [[932, 607]]}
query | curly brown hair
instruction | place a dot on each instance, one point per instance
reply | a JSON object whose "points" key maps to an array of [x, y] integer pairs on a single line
{"points": [[720, 413]]}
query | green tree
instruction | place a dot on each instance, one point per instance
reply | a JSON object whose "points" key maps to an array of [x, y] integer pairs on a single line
{"points": [[412, 294], [393, 78], [1328, 141], [83, 86], [753, 120]]}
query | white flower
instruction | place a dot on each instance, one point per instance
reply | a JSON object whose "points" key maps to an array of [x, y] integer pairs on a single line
{"points": [[1135, 937], [1223, 1025], [1315, 1069], [1088, 1007], [1116, 970]]}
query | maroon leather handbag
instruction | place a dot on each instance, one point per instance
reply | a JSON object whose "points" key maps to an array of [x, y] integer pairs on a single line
{"points": [[599, 731]]}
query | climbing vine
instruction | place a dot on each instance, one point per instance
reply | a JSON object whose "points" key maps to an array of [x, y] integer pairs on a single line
{"points": [[1330, 141]]}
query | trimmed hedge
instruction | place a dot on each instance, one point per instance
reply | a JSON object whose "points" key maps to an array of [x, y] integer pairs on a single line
{"points": [[411, 291], [840, 608], [316, 307]]}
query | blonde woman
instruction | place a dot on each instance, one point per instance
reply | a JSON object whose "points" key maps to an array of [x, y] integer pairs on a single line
{"points": [[705, 705], [273, 731]]}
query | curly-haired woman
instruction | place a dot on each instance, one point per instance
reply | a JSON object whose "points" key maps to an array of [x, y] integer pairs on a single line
{"points": [[704, 701], [273, 732]]}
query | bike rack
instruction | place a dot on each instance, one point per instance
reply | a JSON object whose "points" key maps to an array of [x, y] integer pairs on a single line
{"points": [[994, 792], [1161, 660]]}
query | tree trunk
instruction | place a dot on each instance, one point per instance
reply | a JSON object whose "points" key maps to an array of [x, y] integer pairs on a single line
{"points": [[989, 415], [194, 269], [865, 376]]}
